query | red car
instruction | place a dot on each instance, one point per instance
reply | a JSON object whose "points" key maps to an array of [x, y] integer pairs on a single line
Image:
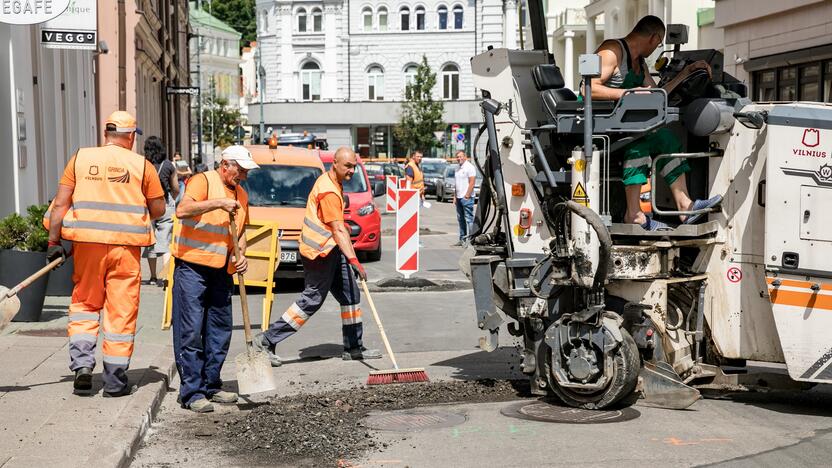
{"points": [[361, 213]]}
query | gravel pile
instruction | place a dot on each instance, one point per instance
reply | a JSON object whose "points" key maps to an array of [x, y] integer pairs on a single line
{"points": [[324, 428]]}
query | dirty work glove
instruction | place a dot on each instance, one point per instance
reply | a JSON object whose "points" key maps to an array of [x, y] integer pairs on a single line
{"points": [[358, 269], [55, 250]]}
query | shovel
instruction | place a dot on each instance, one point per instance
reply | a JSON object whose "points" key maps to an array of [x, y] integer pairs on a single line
{"points": [[10, 303], [254, 371]]}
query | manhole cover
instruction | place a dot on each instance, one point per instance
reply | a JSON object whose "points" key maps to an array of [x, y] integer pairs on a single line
{"points": [[548, 412], [413, 420], [44, 332]]}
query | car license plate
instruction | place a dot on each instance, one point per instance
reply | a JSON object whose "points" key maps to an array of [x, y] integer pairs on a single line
{"points": [[289, 257]]}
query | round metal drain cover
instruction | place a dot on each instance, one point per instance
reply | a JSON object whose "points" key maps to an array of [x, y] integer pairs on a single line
{"points": [[413, 420], [547, 412]]}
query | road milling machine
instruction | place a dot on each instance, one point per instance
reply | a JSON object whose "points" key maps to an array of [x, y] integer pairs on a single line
{"points": [[609, 312]]}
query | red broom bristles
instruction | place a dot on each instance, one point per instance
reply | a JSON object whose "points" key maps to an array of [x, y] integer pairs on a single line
{"points": [[397, 376]]}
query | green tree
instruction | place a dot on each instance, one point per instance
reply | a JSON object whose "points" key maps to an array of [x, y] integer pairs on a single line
{"points": [[219, 120], [239, 14], [421, 116]]}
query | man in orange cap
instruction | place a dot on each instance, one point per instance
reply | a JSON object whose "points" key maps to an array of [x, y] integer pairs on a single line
{"points": [[106, 199]]}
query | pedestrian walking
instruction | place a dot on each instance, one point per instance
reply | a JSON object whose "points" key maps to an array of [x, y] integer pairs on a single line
{"points": [[329, 263], [465, 178], [155, 152], [106, 200], [202, 277]]}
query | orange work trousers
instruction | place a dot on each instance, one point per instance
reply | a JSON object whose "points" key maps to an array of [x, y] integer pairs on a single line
{"points": [[106, 277]]}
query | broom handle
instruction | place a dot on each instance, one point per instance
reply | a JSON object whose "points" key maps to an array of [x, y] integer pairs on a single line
{"points": [[242, 283], [378, 322], [25, 283]]}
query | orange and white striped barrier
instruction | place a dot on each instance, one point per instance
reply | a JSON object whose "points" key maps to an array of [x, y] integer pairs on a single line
{"points": [[392, 189], [404, 183], [407, 232]]}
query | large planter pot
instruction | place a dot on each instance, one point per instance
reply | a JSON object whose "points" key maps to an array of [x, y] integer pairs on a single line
{"points": [[60, 279], [15, 266]]}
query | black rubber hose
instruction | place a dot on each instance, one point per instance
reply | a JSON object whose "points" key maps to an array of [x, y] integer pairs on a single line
{"points": [[604, 239]]}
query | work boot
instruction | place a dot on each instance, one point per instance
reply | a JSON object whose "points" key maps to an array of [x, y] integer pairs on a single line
{"points": [[201, 406], [261, 344], [457, 244], [128, 390], [83, 381], [224, 397], [357, 354]]}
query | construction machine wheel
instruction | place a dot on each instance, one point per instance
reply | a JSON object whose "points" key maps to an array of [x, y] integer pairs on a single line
{"points": [[620, 390]]}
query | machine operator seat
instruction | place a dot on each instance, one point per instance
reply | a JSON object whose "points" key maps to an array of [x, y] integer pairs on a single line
{"points": [[557, 99]]}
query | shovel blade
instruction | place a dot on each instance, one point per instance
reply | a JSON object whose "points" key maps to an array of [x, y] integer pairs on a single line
{"points": [[9, 306], [254, 373], [664, 389]]}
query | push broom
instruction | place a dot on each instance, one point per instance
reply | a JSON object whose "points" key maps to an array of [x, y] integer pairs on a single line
{"points": [[395, 375]]}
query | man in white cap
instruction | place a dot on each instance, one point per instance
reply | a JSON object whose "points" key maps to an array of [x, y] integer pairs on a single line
{"points": [[202, 278]]}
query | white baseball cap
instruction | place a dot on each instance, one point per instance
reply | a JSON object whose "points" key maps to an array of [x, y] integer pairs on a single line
{"points": [[240, 155]]}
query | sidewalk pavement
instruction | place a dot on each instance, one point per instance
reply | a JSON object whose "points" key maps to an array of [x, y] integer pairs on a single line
{"points": [[44, 424]]}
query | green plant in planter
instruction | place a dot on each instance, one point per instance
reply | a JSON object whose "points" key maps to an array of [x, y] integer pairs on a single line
{"points": [[25, 233]]}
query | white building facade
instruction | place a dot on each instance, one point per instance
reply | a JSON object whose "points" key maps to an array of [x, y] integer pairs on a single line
{"points": [[339, 68]]}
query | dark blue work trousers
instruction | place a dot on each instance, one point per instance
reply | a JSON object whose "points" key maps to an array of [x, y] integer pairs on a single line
{"points": [[202, 326], [322, 276]]}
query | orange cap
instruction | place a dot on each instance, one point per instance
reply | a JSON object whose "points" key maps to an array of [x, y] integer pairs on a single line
{"points": [[123, 122]]}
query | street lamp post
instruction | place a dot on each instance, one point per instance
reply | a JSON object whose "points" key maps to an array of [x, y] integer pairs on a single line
{"points": [[261, 73]]}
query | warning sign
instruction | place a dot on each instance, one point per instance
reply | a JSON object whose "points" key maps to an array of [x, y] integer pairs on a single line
{"points": [[734, 275], [579, 195]]}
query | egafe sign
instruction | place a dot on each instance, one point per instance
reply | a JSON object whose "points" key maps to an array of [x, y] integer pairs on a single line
{"points": [[31, 11], [75, 28]]}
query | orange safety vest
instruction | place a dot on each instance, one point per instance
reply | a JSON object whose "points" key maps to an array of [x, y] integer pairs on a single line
{"points": [[206, 239], [418, 178], [108, 204], [316, 239]]}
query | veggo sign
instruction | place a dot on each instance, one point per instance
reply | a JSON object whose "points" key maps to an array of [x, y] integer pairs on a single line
{"points": [[30, 11]]}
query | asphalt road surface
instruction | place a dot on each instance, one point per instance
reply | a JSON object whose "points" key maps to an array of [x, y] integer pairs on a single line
{"points": [[436, 330]]}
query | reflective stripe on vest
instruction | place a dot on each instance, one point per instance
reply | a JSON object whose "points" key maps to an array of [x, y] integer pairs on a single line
{"points": [[108, 204], [315, 237], [206, 239], [418, 178]]}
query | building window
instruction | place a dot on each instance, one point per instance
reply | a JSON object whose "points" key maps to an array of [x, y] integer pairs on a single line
{"points": [[367, 14], [450, 82], [382, 19], [310, 78], [404, 14], [443, 17], [375, 83], [409, 79], [317, 20], [301, 20], [420, 18], [810, 81], [458, 17]]}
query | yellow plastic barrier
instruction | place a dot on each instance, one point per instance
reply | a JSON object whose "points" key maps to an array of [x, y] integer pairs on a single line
{"points": [[263, 254]]}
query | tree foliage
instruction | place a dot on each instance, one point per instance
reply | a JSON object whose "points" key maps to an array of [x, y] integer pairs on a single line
{"points": [[421, 116], [219, 120], [239, 14]]}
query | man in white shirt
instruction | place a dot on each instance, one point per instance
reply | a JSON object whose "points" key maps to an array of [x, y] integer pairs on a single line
{"points": [[465, 178]]}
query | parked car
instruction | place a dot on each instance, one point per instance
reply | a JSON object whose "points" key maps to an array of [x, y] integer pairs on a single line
{"points": [[446, 184], [376, 171], [278, 191], [432, 169], [360, 212]]}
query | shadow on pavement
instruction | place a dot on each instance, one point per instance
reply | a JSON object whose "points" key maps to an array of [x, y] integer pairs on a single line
{"points": [[815, 402], [20, 388], [321, 351], [501, 364]]}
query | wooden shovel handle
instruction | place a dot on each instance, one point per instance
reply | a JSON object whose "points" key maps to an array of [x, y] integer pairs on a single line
{"points": [[38, 274], [242, 282]]}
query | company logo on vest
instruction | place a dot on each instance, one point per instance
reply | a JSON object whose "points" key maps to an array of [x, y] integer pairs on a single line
{"points": [[124, 178], [31, 11]]}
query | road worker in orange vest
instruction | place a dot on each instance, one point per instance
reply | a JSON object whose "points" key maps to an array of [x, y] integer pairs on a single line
{"points": [[204, 262], [329, 263], [413, 172], [105, 202]]}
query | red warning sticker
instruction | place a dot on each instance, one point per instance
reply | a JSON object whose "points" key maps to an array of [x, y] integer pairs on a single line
{"points": [[734, 275]]}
